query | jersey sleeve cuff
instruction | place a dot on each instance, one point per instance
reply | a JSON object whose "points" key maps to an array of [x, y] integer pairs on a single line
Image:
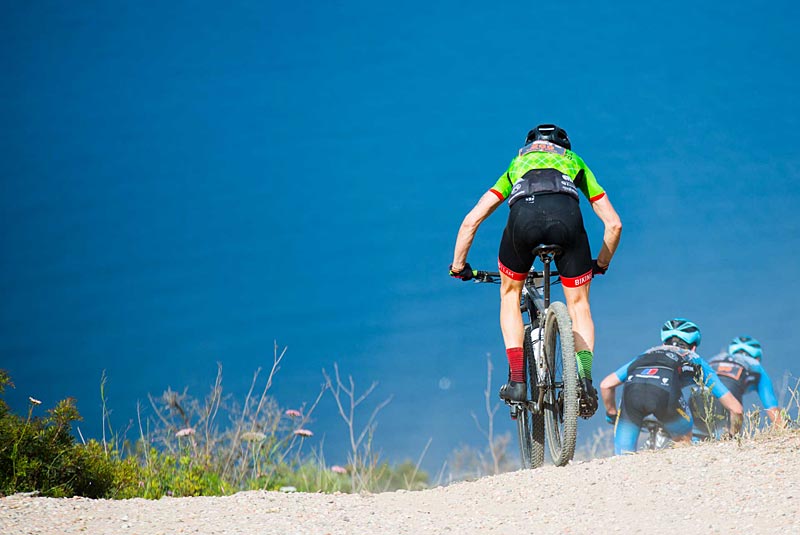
{"points": [[597, 197], [499, 195]]}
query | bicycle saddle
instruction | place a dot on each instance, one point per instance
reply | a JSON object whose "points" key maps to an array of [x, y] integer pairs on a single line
{"points": [[650, 422], [543, 250]]}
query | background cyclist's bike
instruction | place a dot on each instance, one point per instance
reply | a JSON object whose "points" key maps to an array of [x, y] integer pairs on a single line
{"points": [[550, 369], [656, 437]]}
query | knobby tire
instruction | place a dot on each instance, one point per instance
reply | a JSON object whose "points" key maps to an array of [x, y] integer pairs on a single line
{"points": [[561, 398], [535, 420], [524, 438]]}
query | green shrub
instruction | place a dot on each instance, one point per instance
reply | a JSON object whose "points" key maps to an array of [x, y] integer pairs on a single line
{"points": [[39, 454], [35, 451], [164, 474], [101, 474], [183, 453]]}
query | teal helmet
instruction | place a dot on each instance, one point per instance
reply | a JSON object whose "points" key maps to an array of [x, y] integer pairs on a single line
{"points": [[680, 332], [745, 344]]}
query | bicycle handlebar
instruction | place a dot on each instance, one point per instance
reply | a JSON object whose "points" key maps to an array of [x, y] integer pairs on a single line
{"points": [[485, 276]]}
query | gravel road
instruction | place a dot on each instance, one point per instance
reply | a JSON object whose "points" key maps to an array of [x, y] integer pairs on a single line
{"points": [[749, 487]]}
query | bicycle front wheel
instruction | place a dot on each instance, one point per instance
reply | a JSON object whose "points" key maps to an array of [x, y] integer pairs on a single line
{"points": [[561, 394]]}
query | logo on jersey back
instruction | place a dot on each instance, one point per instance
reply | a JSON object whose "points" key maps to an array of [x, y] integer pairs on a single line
{"points": [[649, 373], [730, 369], [543, 146]]}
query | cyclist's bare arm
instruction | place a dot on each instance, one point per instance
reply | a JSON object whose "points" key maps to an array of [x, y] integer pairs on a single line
{"points": [[608, 388], [486, 205], [613, 229], [735, 409]]}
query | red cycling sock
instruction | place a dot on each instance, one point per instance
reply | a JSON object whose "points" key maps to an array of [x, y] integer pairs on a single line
{"points": [[515, 362]]}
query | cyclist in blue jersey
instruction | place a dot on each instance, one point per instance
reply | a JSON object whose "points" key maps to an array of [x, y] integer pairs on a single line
{"points": [[741, 371], [653, 384], [542, 186]]}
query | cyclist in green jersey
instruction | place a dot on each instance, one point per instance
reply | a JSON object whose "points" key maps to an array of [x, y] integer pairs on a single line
{"points": [[541, 185]]}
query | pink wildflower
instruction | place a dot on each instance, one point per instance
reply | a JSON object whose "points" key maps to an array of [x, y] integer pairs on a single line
{"points": [[338, 469], [185, 432], [293, 413], [303, 433]]}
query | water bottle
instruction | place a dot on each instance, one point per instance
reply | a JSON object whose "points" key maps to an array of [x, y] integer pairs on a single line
{"points": [[536, 343], [538, 354]]}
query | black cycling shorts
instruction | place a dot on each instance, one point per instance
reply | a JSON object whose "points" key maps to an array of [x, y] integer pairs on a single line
{"points": [[546, 219], [640, 400]]}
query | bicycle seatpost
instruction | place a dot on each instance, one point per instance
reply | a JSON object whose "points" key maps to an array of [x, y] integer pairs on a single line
{"points": [[546, 259]]}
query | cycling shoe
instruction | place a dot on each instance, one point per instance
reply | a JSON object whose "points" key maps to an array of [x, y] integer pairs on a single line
{"points": [[513, 391], [587, 404]]}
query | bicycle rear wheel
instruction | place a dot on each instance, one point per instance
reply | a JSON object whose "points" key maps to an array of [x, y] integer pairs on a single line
{"points": [[528, 457], [561, 395], [524, 437], [535, 420]]}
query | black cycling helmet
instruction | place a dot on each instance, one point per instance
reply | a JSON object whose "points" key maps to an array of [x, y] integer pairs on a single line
{"points": [[549, 132]]}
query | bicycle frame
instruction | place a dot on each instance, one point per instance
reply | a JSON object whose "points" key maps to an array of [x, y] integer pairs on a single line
{"points": [[536, 282], [536, 292]]}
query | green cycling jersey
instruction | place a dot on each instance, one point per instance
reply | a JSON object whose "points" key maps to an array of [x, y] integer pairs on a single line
{"points": [[544, 155]]}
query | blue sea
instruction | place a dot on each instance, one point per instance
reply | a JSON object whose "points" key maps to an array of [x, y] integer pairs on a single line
{"points": [[188, 185]]}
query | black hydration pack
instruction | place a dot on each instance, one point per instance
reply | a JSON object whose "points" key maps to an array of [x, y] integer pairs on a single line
{"points": [[665, 367], [542, 181], [735, 373]]}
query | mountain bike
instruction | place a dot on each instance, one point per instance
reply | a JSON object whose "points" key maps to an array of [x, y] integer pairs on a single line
{"points": [[551, 369], [657, 437]]}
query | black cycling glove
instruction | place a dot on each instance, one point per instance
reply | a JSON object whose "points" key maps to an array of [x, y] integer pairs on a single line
{"points": [[465, 274], [597, 270], [611, 418]]}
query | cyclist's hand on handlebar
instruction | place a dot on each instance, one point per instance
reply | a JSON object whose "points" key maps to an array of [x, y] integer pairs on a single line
{"points": [[464, 274], [597, 269], [611, 418]]}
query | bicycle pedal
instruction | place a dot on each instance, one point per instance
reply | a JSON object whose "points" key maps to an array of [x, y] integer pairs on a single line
{"points": [[587, 403], [515, 408], [586, 409]]}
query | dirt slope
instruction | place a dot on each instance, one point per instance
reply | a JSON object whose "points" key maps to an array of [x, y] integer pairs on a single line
{"points": [[752, 487]]}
